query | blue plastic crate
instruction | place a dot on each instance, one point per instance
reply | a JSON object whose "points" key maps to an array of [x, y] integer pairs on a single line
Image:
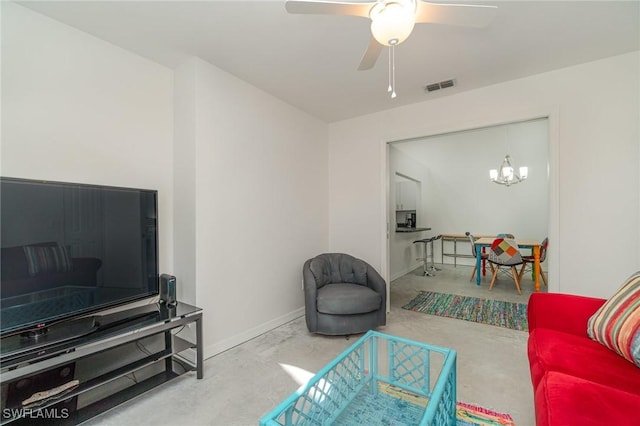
{"points": [[380, 380]]}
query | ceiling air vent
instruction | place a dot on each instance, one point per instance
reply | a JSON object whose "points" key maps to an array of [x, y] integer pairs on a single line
{"points": [[441, 85]]}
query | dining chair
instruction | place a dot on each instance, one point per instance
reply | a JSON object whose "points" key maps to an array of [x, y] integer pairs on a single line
{"points": [[505, 252], [483, 256], [528, 262], [505, 236]]}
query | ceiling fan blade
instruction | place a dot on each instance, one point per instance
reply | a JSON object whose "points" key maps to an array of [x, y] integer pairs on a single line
{"points": [[465, 15], [329, 7], [370, 55]]}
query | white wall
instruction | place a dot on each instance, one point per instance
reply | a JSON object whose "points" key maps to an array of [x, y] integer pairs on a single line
{"points": [[257, 192], [78, 109], [249, 172], [594, 151], [260, 201], [254, 179], [184, 183]]}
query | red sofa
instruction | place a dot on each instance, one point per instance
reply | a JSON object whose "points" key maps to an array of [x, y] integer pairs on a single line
{"points": [[576, 380]]}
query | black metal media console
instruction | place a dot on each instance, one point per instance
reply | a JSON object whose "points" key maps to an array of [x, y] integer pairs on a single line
{"points": [[29, 366]]}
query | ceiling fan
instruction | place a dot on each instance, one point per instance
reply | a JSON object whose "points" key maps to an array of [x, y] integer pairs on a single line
{"points": [[392, 20]]}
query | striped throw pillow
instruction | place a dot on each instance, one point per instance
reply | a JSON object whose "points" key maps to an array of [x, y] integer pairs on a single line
{"points": [[42, 259], [616, 324]]}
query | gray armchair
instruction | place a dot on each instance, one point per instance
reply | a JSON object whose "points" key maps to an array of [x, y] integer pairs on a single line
{"points": [[343, 295]]}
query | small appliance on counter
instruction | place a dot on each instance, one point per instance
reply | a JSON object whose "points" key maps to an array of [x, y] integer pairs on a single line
{"points": [[409, 221]]}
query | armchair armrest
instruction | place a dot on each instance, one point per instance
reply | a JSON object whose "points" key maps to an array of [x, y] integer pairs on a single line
{"points": [[376, 282], [310, 295], [308, 279]]}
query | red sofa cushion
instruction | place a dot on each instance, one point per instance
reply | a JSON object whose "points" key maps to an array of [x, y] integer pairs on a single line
{"points": [[551, 350], [564, 400], [563, 312]]}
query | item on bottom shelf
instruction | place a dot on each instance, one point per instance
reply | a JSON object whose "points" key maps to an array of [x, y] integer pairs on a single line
{"points": [[43, 395]]}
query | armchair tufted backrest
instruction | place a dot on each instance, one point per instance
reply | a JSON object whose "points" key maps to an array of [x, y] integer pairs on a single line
{"points": [[331, 268]]}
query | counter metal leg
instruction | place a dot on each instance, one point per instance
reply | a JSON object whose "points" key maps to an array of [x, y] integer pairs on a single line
{"points": [[427, 258], [431, 255]]}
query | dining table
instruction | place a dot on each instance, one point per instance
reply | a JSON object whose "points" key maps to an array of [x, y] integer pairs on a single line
{"points": [[523, 243]]}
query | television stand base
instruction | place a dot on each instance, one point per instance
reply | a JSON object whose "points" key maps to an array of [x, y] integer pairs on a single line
{"points": [[46, 337], [165, 322], [122, 317]]}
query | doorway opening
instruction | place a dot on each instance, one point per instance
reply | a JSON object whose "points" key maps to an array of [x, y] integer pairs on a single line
{"points": [[457, 194]]}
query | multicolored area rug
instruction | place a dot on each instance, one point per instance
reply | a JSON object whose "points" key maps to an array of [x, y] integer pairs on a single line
{"points": [[398, 407], [466, 414], [472, 415], [493, 312]]}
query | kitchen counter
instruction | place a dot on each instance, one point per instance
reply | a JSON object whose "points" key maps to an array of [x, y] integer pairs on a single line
{"points": [[402, 229]]}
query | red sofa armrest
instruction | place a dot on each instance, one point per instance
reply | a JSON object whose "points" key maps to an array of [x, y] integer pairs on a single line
{"points": [[563, 312]]}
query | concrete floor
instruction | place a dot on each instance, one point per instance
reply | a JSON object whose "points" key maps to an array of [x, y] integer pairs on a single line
{"points": [[246, 382]]}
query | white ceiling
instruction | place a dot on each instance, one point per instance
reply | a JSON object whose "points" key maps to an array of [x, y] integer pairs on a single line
{"points": [[310, 61]]}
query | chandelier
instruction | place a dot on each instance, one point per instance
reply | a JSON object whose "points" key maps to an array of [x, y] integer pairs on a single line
{"points": [[506, 174]]}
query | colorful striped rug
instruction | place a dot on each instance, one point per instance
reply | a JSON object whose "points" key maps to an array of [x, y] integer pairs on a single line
{"points": [[394, 406], [466, 414], [493, 312]]}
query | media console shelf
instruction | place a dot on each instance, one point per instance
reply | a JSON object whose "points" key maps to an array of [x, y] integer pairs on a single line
{"points": [[17, 365]]}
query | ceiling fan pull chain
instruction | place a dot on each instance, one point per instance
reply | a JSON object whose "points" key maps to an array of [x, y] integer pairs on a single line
{"points": [[389, 89], [393, 71]]}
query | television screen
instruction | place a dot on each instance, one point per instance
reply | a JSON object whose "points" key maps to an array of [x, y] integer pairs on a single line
{"points": [[72, 249]]}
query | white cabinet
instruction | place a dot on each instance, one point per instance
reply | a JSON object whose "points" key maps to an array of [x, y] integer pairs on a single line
{"points": [[406, 195]]}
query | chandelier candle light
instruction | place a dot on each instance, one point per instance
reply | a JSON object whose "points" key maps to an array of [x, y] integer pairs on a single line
{"points": [[506, 176]]}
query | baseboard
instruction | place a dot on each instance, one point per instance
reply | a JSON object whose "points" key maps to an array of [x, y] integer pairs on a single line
{"points": [[405, 271], [247, 335]]}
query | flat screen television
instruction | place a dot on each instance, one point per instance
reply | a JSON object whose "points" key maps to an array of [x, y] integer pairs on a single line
{"points": [[69, 250]]}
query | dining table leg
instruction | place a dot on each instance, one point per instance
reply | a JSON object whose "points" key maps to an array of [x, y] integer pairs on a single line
{"points": [[536, 266], [478, 262], [484, 263]]}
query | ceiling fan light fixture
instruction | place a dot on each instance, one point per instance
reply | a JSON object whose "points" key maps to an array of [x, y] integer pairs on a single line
{"points": [[392, 22]]}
